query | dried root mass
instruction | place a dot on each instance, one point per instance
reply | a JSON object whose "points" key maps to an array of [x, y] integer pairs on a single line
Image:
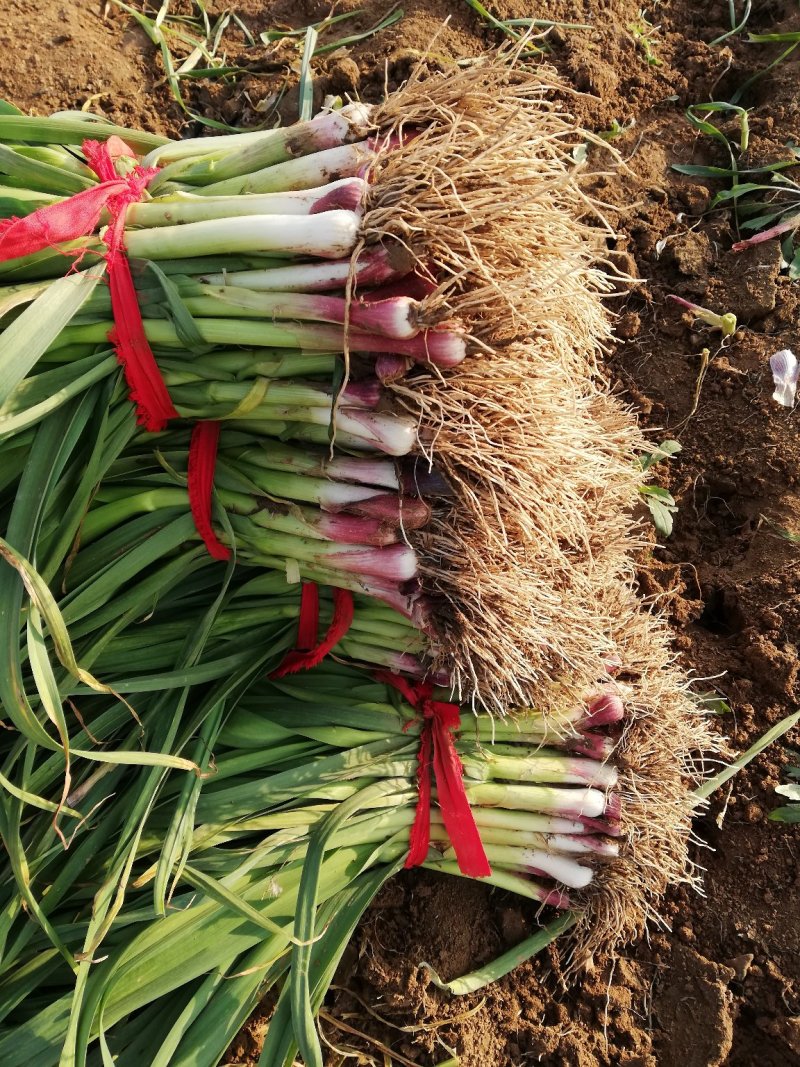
{"points": [[661, 757], [532, 559], [487, 197]]}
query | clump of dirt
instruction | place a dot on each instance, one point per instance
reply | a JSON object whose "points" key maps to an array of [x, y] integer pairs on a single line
{"points": [[63, 56], [722, 986]]}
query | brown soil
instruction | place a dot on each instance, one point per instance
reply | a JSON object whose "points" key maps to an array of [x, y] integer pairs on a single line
{"points": [[724, 986]]}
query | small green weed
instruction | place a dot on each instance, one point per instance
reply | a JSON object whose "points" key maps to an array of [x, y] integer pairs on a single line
{"points": [[789, 812], [725, 323], [191, 47], [737, 24], [660, 501], [643, 33], [320, 28], [711, 703], [196, 35], [616, 129], [765, 200], [781, 531], [791, 39], [512, 27]]}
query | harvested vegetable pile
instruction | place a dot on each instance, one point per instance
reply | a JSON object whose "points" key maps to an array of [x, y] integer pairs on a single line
{"points": [[359, 365]]}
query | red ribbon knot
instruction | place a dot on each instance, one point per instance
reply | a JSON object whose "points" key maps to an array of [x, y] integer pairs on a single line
{"points": [[309, 652], [146, 387], [202, 463], [78, 216], [437, 750]]}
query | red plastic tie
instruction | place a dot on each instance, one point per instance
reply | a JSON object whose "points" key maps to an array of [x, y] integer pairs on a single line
{"points": [[308, 623], [437, 749], [77, 217], [308, 652], [146, 387], [202, 461]]}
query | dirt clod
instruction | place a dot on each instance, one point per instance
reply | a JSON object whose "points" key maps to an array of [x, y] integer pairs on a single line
{"points": [[700, 993]]}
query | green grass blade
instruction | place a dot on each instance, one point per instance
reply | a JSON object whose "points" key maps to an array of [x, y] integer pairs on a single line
{"points": [[162, 760], [15, 988], [36, 801], [278, 35], [68, 868], [207, 1027], [479, 9], [47, 687], [237, 801], [215, 890], [735, 27], [207, 671], [178, 839], [306, 87], [162, 1050], [53, 445], [170, 532], [771, 38], [388, 20], [305, 920], [42, 599], [195, 941], [43, 177], [29, 336], [15, 127], [280, 1045], [710, 786], [745, 86], [15, 852], [96, 561], [787, 813], [112, 429], [492, 972], [38, 1040], [57, 386], [107, 903]]}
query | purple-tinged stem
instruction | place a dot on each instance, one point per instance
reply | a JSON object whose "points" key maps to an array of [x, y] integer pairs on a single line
{"points": [[612, 665], [417, 476], [346, 195], [408, 512], [572, 803], [391, 434], [310, 522], [609, 827], [613, 807], [390, 368], [395, 318], [397, 563], [375, 265], [379, 472], [586, 843], [594, 746], [305, 172], [602, 709], [365, 393], [522, 884], [414, 285], [767, 235]]}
